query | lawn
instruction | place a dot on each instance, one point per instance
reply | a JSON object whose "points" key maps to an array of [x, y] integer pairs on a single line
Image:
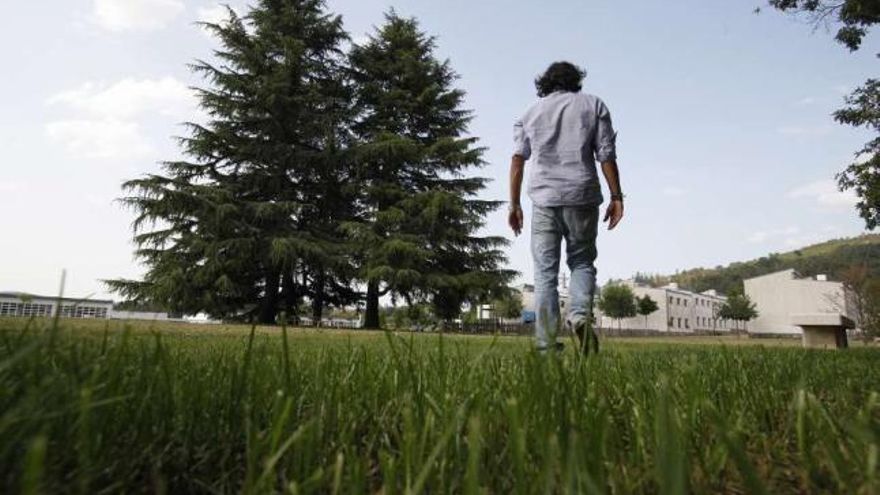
{"points": [[94, 407]]}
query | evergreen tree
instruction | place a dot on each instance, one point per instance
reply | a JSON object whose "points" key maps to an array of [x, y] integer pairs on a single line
{"points": [[248, 223], [418, 216]]}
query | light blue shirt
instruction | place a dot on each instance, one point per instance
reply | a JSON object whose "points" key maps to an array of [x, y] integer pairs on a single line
{"points": [[564, 134]]}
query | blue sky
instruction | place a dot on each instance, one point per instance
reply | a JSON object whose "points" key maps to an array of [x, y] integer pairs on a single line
{"points": [[726, 145]]}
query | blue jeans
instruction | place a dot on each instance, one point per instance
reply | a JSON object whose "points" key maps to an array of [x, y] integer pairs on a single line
{"points": [[578, 226]]}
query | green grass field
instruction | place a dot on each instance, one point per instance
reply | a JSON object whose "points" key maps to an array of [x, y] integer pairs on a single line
{"points": [[92, 407]]}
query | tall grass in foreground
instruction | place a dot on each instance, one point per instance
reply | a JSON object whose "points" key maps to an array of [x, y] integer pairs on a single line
{"points": [[133, 411]]}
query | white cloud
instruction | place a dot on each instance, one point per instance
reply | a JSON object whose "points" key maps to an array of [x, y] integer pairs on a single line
{"points": [[130, 98], [217, 14], [106, 124], [825, 193], [135, 15], [672, 191], [105, 138]]}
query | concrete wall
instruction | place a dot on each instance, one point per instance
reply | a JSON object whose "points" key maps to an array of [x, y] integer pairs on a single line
{"points": [[779, 295], [138, 315]]}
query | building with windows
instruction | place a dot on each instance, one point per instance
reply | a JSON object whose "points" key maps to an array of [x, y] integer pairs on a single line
{"points": [[27, 305], [777, 296], [678, 310]]}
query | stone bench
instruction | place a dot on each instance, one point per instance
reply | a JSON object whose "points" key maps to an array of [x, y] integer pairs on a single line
{"points": [[823, 330]]}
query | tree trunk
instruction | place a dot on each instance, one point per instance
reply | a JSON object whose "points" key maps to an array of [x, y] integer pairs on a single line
{"points": [[318, 297], [269, 309], [371, 314], [289, 295]]}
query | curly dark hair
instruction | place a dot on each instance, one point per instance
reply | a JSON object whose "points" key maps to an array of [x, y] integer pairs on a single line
{"points": [[560, 76]]}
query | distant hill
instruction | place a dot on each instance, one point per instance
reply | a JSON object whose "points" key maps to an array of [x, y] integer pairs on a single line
{"points": [[830, 258]]}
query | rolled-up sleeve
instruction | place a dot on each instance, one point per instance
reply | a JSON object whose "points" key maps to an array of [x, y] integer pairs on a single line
{"points": [[606, 138], [521, 144]]}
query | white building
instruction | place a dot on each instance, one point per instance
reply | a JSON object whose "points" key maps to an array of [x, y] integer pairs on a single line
{"points": [[27, 305], [140, 315], [678, 310], [527, 296], [779, 295]]}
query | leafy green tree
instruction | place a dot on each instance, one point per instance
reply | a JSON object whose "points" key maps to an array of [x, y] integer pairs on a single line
{"points": [[419, 216], [862, 299], [863, 175], [247, 224], [646, 306], [509, 305], [618, 302], [416, 316], [853, 18], [738, 307]]}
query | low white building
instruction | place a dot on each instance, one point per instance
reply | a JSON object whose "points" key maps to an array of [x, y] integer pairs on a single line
{"points": [[527, 296], [678, 310], [141, 315], [777, 296], [26, 305]]}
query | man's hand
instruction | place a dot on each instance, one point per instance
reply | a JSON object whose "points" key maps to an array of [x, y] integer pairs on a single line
{"points": [[614, 213], [515, 219]]}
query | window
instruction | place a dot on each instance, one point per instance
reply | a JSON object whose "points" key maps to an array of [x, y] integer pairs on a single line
{"points": [[686, 324], [670, 299], [685, 303], [71, 311], [32, 309], [679, 323], [671, 322], [9, 309]]}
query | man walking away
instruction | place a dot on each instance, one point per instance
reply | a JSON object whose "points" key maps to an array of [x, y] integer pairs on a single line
{"points": [[564, 134]]}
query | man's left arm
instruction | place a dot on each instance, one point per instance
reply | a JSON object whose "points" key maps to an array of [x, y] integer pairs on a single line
{"points": [[606, 153]]}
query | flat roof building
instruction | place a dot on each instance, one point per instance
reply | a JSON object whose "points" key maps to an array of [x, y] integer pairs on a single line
{"points": [[26, 305], [777, 296], [679, 310]]}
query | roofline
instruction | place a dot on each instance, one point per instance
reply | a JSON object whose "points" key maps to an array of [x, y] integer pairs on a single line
{"points": [[794, 273], [25, 295]]}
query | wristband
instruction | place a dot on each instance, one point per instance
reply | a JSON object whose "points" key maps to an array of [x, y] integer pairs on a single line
{"points": [[617, 197]]}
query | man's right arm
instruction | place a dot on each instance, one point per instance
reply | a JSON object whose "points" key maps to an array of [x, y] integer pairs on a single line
{"points": [[515, 214], [521, 153]]}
